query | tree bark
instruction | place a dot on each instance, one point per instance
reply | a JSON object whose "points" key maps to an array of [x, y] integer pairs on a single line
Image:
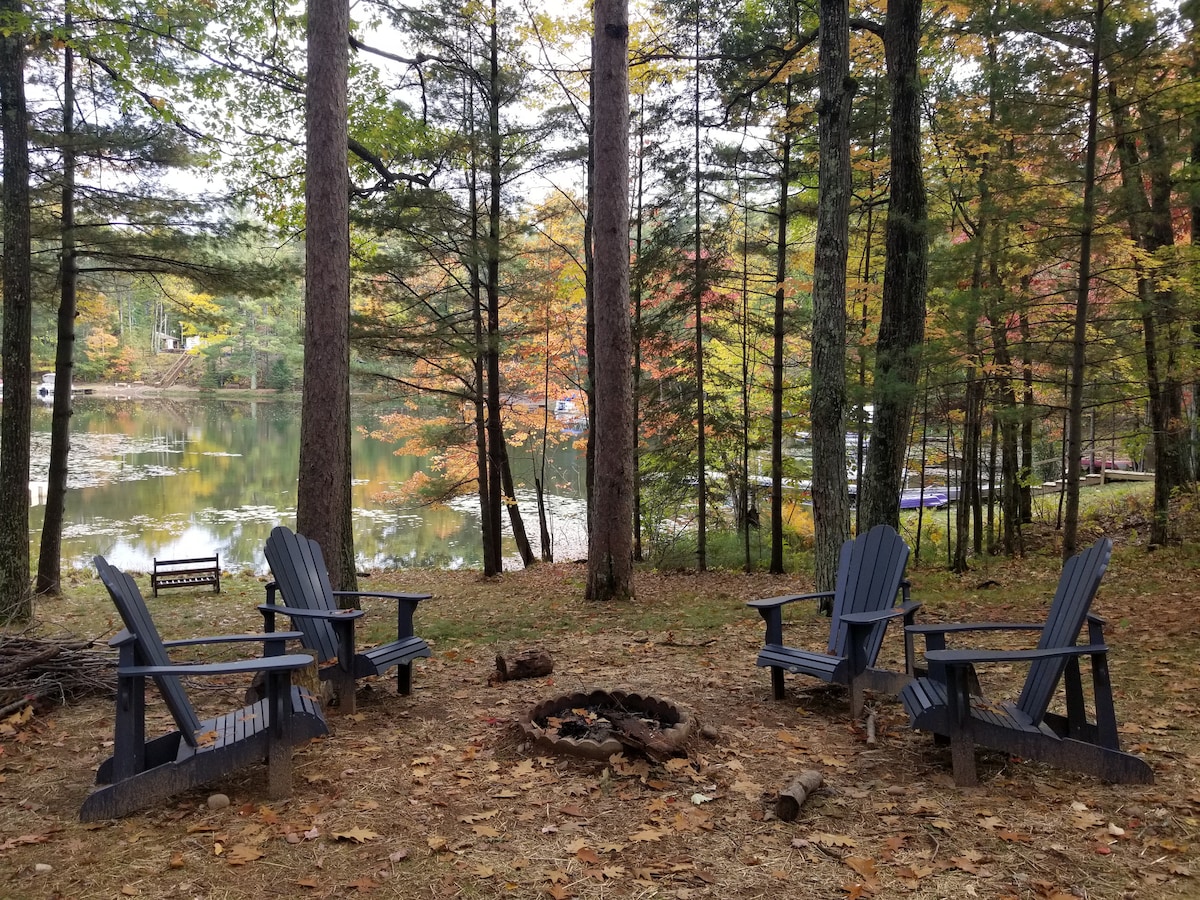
{"points": [[905, 276], [15, 599], [830, 492], [1079, 338], [698, 273], [777, 337], [49, 573], [610, 542], [322, 493]]}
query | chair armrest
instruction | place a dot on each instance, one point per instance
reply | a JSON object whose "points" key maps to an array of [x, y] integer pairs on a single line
{"points": [[771, 610], [387, 595], [776, 602], [232, 638], [266, 664], [269, 609], [970, 657], [870, 618], [955, 627]]}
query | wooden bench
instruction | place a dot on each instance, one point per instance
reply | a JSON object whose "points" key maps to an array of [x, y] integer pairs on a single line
{"points": [[196, 572]]}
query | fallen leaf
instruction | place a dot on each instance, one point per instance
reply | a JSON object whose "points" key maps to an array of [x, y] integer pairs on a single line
{"points": [[863, 866], [832, 840], [1013, 836], [356, 834], [240, 854], [472, 818], [646, 834]]}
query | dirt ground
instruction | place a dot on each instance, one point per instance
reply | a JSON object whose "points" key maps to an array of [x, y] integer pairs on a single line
{"points": [[440, 795]]}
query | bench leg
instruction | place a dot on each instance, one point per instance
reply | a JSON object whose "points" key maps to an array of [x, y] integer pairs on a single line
{"points": [[404, 679]]}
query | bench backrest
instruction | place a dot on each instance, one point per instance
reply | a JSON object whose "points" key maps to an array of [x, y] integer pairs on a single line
{"points": [[870, 569], [148, 649], [298, 568], [1077, 586]]}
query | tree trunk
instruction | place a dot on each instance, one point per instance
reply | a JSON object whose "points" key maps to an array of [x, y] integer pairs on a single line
{"points": [[905, 276], [777, 342], [322, 493], [637, 331], [1079, 338], [49, 573], [1150, 228], [1027, 412], [698, 274], [15, 598], [831, 502], [610, 543]]}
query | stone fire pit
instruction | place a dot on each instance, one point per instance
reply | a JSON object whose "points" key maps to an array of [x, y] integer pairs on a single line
{"points": [[596, 724]]}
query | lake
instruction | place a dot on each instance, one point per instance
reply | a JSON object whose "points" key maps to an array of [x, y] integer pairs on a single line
{"points": [[173, 478]]}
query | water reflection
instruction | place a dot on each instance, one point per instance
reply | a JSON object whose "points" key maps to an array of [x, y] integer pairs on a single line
{"points": [[179, 478]]}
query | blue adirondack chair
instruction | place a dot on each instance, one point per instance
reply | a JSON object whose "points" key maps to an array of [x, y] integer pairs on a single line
{"points": [[870, 581], [141, 772], [943, 702], [311, 603]]}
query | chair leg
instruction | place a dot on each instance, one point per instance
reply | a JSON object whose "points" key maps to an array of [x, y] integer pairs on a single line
{"points": [[962, 758], [857, 698], [777, 682], [279, 770], [343, 685]]}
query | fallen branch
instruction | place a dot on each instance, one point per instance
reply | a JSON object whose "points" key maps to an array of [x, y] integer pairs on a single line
{"points": [[533, 663], [791, 798], [50, 669]]}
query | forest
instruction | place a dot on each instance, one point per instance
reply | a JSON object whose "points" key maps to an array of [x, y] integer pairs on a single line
{"points": [[1010, 293]]}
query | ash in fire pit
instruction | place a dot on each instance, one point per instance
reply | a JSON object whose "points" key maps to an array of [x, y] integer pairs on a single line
{"points": [[598, 724]]}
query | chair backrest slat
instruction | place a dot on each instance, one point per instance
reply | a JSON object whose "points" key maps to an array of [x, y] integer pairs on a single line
{"points": [[298, 567], [1077, 587], [870, 569], [149, 649]]}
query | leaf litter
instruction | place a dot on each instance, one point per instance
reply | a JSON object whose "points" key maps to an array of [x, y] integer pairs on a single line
{"points": [[440, 793]]}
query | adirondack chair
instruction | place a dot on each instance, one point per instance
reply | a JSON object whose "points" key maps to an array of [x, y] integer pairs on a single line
{"points": [[942, 702], [141, 772], [870, 576], [311, 603]]}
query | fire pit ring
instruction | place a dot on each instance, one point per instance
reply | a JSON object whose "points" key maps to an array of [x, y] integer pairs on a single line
{"points": [[665, 724]]}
